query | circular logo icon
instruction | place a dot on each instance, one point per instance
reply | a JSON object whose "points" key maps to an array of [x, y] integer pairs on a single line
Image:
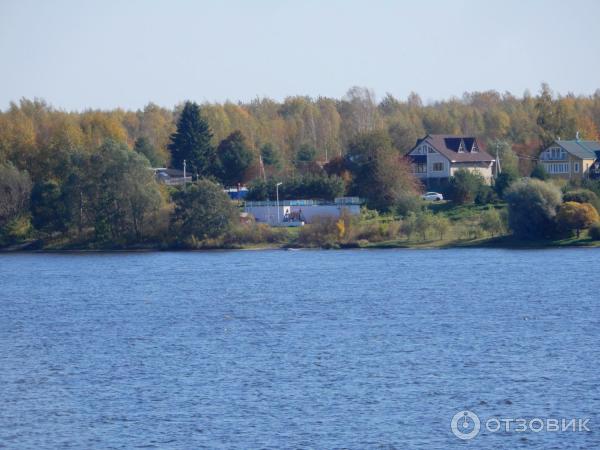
{"points": [[465, 425]]}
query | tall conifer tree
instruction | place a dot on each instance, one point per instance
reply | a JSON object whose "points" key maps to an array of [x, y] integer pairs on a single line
{"points": [[191, 142]]}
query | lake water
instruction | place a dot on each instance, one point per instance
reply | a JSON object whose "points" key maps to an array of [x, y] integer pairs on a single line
{"points": [[297, 349]]}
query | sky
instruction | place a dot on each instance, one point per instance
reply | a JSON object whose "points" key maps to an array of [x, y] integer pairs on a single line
{"points": [[79, 54]]}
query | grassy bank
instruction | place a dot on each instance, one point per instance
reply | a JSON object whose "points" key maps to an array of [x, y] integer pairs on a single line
{"points": [[440, 225]]}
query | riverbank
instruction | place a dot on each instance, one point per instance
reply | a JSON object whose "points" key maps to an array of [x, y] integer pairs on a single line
{"points": [[440, 225], [506, 242]]}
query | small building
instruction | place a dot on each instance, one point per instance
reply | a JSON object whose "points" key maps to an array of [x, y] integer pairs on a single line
{"points": [[437, 157], [171, 177], [279, 213], [572, 159]]}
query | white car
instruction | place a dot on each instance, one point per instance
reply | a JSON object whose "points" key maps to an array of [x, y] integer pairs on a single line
{"points": [[433, 196]]}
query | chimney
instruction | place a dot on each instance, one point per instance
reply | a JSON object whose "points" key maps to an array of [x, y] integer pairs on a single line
{"points": [[577, 136]]}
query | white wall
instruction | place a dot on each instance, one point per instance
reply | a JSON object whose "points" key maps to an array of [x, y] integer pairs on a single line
{"points": [[268, 214]]}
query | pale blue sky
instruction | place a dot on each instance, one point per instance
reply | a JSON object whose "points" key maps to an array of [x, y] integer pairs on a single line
{"points": [[124, 53]]}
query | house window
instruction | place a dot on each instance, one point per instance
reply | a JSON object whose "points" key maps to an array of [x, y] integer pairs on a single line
{"points": [[557, 168], [576, 168], [438, 167], [420, 168]]}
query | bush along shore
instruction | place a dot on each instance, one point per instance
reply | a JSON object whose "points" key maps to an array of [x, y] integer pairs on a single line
{"points": [[439, 225]]}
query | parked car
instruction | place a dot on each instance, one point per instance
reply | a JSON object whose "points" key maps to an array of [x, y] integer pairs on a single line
{"points": [[432, 196]]}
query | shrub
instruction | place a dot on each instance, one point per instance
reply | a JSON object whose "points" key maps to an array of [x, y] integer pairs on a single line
{"points": [[492, 222], [532, 206], [540, 173], [504, 180], [16, 230], [441, 225], [409, 225], [408, 202], [424, 223], [368, 214], [486, 195], [322, 232], [576, 216], [582, 196], [254, 233], [464, 186], [594, 231]]}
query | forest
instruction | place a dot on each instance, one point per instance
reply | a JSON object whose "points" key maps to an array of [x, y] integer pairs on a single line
{"points": [[85, 176]]}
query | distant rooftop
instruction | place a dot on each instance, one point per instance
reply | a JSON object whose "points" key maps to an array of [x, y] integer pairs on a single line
{"points": [[457, 148], [580, 148]]}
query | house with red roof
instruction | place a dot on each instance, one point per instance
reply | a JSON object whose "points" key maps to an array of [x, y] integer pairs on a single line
{"points": [[437, 157]]}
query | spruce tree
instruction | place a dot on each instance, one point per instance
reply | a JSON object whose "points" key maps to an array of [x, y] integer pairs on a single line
{"points": [[234, 158], [191, 142]]}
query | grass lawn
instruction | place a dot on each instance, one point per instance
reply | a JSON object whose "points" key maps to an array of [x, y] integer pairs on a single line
{"points": [[461, 212]]}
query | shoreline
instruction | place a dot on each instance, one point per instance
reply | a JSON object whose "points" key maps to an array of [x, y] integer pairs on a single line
{"points": [[503, 242]]}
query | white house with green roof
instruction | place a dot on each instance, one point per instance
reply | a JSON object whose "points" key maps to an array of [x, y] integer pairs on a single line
{"points": [[575, 159]]}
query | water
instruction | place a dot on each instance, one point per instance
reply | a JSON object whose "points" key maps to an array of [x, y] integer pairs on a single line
{"points": [[298, 349]]}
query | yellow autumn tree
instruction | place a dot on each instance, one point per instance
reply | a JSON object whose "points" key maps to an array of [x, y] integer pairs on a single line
{"points": [[576, 216]]}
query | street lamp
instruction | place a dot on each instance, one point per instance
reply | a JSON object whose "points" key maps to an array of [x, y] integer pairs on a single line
{"points": [[277, 195]]}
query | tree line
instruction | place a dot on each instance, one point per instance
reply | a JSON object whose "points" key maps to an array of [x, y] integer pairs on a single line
{"points": [[89, 172]]}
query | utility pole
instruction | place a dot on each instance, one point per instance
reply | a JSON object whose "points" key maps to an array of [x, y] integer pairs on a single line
{"points": [[498, 168], [277, 195], [184, 179]]}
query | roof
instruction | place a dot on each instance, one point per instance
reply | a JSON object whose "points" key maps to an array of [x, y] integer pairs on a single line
{"points": [[175, 173], [448, 145], [580, 148]]}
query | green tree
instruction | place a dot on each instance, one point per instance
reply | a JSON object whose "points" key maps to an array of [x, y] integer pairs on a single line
{"points": [[192, 142], [203, 211], [306, 154], [594, 231], [143, 146], [269, 154], [15, 189], [464, 186], [540, 173], [576, 216], [582, 196], [504, 180], [425, 221], [554, 120], [532, 206], [491, 222], [508, 158], [48, 211], [234, 159], [441, 224], [378, 173], [119, 194], [306, 187]]}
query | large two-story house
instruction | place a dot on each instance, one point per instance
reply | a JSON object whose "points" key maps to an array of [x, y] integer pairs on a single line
{"points": [[575, 159], [438, 156]]}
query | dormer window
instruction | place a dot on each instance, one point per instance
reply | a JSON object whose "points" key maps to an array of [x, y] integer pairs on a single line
{"points": [[474, 149], [461, 147]]}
